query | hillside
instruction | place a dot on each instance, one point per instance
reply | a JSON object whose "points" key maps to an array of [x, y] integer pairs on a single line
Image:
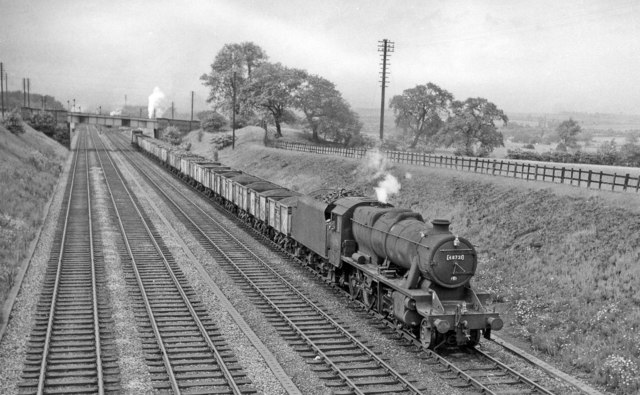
{"points": [[30, 165], [560, 261]]}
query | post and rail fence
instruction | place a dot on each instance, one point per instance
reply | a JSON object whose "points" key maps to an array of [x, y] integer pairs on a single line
{"points": [[495, 167]]}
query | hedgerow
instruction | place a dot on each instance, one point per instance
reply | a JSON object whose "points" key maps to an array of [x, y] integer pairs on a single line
{"points": [[609, 157]]}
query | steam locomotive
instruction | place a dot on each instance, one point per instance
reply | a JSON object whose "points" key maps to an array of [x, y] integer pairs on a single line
{"points": [[387, 258]]}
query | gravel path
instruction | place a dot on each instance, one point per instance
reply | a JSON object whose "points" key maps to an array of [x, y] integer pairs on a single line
{"points": [[13, 346]]}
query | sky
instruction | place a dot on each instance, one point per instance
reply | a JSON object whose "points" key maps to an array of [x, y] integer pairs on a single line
{"points": [[524, 56]]}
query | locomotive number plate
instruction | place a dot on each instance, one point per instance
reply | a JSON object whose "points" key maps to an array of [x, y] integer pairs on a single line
{"points": [[455, 257]]}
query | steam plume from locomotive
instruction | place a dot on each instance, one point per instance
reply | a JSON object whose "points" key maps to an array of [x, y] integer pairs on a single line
{"points": [[156, 103]]}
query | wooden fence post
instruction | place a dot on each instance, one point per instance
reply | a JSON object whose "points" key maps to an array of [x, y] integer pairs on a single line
{"points": [[600, 181], [626, 182], [562, 176], [579, 176], [613, 184], [589, 179]]}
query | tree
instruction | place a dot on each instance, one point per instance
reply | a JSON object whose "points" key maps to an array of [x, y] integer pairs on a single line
{"points": [[630, 151], [317, 97], [420, 110], [273, 87], [240, 58], [340, 123], [567, 132], [472, 127], [211, 121]]}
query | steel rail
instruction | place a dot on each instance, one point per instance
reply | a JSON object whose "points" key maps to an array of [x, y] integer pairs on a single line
{"points": [[212, 347], [405, 383], [512, 372], [54, 296], [96, 323], [154, 326]]}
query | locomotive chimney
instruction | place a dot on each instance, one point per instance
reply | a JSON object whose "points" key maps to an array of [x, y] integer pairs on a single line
{"points": [[440, 225]]}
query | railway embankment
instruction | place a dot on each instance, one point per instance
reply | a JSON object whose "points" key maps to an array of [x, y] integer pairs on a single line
{"points": [[561, 262], [30, 166]]}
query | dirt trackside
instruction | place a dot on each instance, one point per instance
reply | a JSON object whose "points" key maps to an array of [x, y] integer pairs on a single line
{"points": [[561, 261]]}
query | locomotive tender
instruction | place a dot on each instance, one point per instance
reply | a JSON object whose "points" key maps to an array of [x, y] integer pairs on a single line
{"points": [[387, 258]]}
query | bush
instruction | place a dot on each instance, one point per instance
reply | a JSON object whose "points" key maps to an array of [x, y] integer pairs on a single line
{"points": [[44, 122], [220, 141], [213, 122], [61, 135], [172, 135], [13, 122], [529, 146]]}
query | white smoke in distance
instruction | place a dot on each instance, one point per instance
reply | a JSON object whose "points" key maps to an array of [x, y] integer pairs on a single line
{"points": [[115, 113], [389, 185], [156, 103]]}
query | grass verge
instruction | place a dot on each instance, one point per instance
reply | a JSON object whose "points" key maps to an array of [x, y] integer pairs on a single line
{"points": [[30, 165]]}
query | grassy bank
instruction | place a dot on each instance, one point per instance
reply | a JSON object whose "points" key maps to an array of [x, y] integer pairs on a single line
{"points": [[30, 164], [561, 262]]}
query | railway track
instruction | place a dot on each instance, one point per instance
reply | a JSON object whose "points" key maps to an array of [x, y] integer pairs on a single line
{"points": [[70, 348], [475, 370], [184, 349], [348, 364]]}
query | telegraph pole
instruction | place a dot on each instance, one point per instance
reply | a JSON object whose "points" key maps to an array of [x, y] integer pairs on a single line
{"points": [[233, 112], [2, 87], [6, 83], [233, 106], [385, 46], [190, 127], [29, 92], [24, 92]]}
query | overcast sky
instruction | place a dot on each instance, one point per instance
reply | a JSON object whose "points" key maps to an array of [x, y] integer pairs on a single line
{"points": [[525, 56]]}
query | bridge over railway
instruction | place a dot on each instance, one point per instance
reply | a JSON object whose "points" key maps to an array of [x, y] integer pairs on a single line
{"points": [[150, 125]]}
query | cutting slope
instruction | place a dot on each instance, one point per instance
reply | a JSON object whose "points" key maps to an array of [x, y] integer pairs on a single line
{"points": [[30, 164]]}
